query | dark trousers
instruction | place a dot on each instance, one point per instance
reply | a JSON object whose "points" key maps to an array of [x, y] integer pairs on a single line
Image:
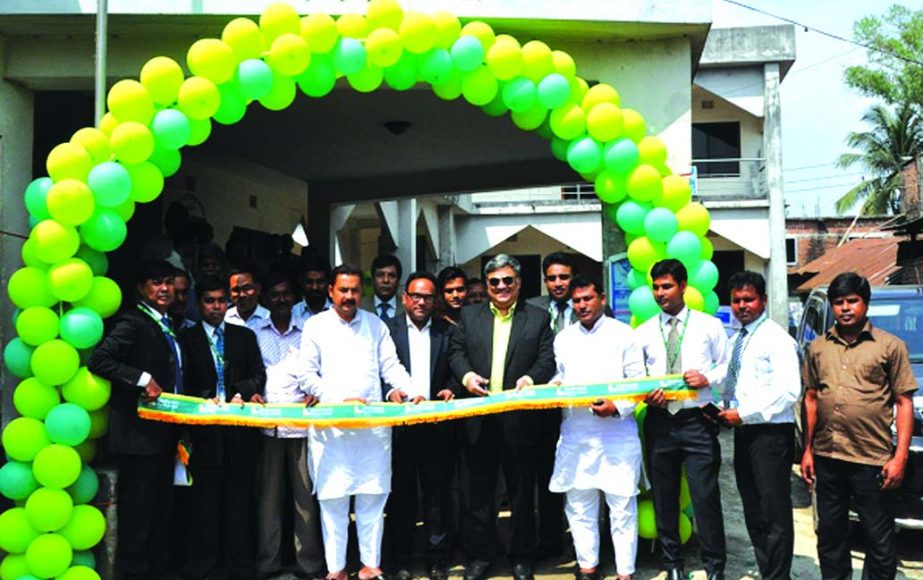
{"points": [[145, 501], [221, 532], [486, 457], [550, 505], [686, 438], [839, 485], [763, 467], [426, 454]]}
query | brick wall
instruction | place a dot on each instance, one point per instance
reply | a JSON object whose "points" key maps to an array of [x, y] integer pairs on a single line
{"points": [[814, 236]]}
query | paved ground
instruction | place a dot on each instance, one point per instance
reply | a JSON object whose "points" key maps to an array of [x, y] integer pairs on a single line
{"points": [[741, 564]]}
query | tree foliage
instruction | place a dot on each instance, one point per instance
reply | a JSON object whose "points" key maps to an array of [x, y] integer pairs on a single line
{"points": [[893, 138], [895, 68]]}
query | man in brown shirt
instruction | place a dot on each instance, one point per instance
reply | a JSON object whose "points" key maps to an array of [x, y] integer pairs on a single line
{"points": [[855, 376]]}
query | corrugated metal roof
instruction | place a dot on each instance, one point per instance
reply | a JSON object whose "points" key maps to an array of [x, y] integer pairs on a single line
{"points": [[874, 258]]}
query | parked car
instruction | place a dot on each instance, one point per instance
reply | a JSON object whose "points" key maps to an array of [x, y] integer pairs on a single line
{"points": [[898, 310]]}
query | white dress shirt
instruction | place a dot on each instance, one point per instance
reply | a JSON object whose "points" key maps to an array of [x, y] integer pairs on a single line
{"points": [[418, 340], [302, 312], [341, 360], [703, 348], [258, 316], [392, 305], [769, 379], [277, 348], [598, 452]]}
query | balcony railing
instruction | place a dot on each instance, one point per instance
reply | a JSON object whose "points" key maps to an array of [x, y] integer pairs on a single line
{"points": [[731, 179]]}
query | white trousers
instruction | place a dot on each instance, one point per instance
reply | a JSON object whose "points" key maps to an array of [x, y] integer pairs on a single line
{"points": [[582, 509], [370, 524]]}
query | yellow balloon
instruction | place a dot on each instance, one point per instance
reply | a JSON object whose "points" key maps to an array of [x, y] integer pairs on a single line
{"points": [[320, 30], [108, 123], [353, 26], [198, 98], [212, 59], [482, 31], [129, 100], [289, 54], [601, 93], [68, 161], [568, 121], [132, 142], [279, 19], [162, 76], [95, 142], [694, 298], [244, 37], [578, 89], [504, 58], [652, 151], [384, 47], [70, 202], [635, 126], [538, 60], [384, 14], [604, 122], [448, 28], [564, 63], [418, 32]]}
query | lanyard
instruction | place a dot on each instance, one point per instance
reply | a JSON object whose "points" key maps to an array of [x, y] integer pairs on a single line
{"points": [[750, 334], [218, 356], [679, 343], [166, 329]]}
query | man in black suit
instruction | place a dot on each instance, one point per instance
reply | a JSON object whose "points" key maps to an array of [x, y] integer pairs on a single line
{"points": [[141, 358], [224, 364], [520, 336], [424, 450]]}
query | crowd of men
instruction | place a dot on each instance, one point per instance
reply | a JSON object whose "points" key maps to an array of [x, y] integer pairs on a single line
{"points": [[446, 336]]}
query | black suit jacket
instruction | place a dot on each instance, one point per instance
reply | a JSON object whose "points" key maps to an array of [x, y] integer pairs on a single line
{"points": [[530, 352], [439, 347], [135, 344], [244, 373]]}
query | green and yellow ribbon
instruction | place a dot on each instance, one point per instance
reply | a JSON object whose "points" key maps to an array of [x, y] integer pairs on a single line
{"points": [[183, 409]]}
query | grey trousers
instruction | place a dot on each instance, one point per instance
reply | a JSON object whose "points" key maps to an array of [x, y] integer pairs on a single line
{"points": [[283, 457]]}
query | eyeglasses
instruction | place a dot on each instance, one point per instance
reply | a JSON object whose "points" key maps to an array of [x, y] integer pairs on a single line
{"points": [[507, 281], [561, 277], [424, 298]]}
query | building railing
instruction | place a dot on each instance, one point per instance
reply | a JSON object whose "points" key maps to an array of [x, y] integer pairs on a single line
{"points": [[731, 179]]}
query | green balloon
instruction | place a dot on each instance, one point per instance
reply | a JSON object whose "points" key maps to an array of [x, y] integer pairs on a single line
{"points": [[685, 247], [519, 94], [29, 254], [54, 241], [28, 287], [68, 424], [621, 156], [553, 91], [87, 390], [660, 224], [641, 303], [105, 230], [86, 487], [644, 183], [636, 279], [479, 86], [35, 196], [37, 325], [49, 555], [14, 567], [704, 276], [647, 523], [16, 532], [530, 120], [254, 78], [17, 481], [630, 216], [96, 260], [32, 398], [449, 89], [233, 105], [436, 66], [711, 303], [17, 356], [56, 466], [85, 528], [55, 362], [402, 75], [610, 188], [497, 108], [76, 572], [110, 183], [685, 528], [49, 509], [282, 94], [584, 155], [366, 79], [23, 438], [87, 450], [467, 53], [84, 558], [319, 78], [99, 423], [82, 327], [168, 161], [559, 148], [104, 297], [349, 56]]}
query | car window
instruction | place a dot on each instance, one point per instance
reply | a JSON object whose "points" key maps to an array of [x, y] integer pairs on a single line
{"points": [[902, 317], [814, 320]]}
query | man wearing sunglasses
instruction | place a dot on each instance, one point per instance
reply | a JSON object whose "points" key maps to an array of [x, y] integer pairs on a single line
{"points": [[501, 345]]}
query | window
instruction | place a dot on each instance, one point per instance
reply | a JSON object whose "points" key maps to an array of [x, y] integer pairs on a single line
{"points": [[578, 191], [791, 251], [716, 141]]}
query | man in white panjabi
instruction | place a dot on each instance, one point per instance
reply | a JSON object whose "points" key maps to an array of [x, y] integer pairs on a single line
{"points": [[599, 449], [345, 354]]}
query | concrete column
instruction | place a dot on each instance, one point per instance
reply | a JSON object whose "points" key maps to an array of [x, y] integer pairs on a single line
{"points": [[447, 241], [16, 136], [406, 235], [320, 234], [777, 279]]}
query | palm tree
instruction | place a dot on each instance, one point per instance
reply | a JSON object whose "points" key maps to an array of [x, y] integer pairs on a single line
{"points": [[894, 137]]}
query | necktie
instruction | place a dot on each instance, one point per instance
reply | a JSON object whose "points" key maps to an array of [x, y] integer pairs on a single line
{"points": [[730, 383], [384, 311], [559, 322], [674, 362], [177, 371], [219, 363]]}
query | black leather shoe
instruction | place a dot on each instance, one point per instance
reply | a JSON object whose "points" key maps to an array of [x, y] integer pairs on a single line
{"points": [[477, 570], [522, 572], [586, 576], [676, 574]]}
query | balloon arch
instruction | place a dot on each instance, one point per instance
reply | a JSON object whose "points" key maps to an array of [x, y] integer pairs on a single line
{"points": [[79, 212]]}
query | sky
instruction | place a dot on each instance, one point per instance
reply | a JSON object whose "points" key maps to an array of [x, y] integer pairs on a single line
{"points": [[818, 109]]}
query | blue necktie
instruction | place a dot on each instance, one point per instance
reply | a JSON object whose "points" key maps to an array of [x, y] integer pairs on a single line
{"points": [[730, 384], [219, 363], [177, 371], [384, 311]]}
